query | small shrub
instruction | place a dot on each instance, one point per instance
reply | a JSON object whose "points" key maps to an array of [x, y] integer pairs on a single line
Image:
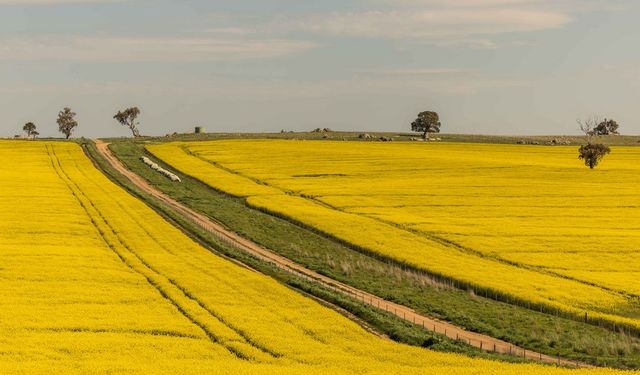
{"points": [[593, 153]]}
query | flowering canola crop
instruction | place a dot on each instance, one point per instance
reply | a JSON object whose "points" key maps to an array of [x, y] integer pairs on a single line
{"points": [[527, 223], [94, 281]]}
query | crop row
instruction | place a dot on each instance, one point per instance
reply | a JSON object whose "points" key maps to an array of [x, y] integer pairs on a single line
{"points": [[95, 281], [526, 227]]}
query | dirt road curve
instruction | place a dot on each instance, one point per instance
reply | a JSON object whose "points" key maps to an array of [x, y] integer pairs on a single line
{"points": [[483, 342]]}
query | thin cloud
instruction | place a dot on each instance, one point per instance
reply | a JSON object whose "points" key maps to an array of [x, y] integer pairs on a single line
{"points": [[128, 49], [434, 24], [416, 71], [57, 2]]}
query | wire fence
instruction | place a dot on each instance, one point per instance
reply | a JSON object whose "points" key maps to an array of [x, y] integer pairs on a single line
{"points": [[451, 331]]}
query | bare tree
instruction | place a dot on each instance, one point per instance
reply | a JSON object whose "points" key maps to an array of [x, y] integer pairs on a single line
{"points": [[588, 125], [128, 118]]}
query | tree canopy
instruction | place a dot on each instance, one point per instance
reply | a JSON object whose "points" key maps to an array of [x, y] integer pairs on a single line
{"points": [[427, 122], [30, 129], [66, 122], [128, 118], [606, 127], [593, 153]]}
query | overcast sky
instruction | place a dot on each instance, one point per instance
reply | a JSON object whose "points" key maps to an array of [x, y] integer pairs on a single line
{"points": [[487, 66]]}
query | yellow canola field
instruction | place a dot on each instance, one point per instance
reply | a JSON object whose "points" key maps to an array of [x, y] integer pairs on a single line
{"points": [[528, 222], [94, 281]]}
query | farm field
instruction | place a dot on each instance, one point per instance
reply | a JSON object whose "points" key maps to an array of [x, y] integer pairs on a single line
{"points": [[530, 223], [95, 281]]}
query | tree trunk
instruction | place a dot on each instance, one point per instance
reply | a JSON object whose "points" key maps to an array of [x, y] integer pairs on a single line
{"points": [[425, 135]]}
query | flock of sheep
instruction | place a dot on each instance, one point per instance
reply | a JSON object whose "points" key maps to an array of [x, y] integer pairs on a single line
{"points": [[159, 169]]}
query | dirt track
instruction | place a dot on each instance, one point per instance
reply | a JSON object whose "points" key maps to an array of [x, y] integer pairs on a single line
{"points": [[483, 342]]}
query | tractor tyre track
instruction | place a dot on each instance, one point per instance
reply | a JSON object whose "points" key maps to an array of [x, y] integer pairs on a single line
{"points": [[483, 342]]}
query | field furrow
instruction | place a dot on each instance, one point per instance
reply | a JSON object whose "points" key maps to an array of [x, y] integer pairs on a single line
{"points": [[94, 281], [502, 222]]}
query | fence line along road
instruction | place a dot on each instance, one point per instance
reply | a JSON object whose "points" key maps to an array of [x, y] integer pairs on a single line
{"points": [[483, 342]]}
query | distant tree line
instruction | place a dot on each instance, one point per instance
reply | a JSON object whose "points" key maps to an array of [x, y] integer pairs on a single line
{"points": [[591, 153], [67, 122], [427, 122]]}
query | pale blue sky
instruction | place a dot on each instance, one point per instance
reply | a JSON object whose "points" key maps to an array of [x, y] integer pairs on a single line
{"points": [[487, 66]]}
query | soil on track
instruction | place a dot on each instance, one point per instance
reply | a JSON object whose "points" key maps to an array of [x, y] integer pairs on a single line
{"points": [[477, 340]]}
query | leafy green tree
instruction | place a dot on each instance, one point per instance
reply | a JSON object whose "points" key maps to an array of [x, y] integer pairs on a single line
{"points": [[30, 129], [66, 122], [593, 153], [606, 127], [128, 118], [426, 123]]}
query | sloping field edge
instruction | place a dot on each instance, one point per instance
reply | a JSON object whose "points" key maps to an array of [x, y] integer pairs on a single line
{"points": [[480, 341]]}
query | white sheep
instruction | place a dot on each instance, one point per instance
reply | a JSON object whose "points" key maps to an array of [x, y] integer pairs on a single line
{"points": [[160, 170]]}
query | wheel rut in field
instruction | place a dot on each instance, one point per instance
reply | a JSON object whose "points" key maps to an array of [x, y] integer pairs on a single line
{"points": [[483, 342], [191, 308]]}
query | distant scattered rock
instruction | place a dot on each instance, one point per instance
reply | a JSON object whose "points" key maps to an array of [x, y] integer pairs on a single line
{"points": [[553, 142], [365, 136], [386, 139]]}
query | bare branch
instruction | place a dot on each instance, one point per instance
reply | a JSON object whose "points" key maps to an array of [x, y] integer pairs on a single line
{"points": [[589, 124]]}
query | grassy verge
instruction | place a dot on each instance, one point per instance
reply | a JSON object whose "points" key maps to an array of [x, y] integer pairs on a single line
{"points": [[532, 330]]}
